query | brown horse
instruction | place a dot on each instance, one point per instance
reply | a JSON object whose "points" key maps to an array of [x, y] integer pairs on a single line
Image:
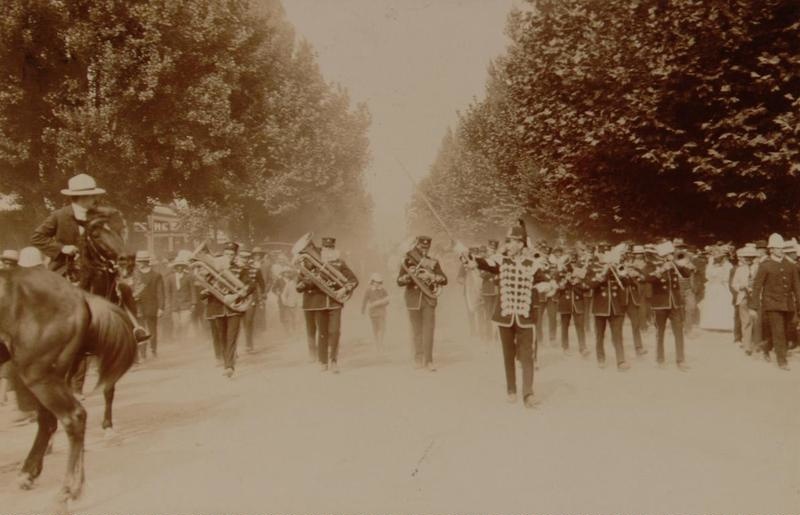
{"points": [[47, 324]]}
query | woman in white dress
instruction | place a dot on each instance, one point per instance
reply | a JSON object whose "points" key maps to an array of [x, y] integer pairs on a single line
{"points": [[716, 311]]}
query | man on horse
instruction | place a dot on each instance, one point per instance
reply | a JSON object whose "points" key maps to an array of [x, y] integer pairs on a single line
{"points": [[61, 238]]}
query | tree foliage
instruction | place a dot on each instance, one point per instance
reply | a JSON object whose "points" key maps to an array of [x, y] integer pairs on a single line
{"points": [[636, 119], [209, 101]]}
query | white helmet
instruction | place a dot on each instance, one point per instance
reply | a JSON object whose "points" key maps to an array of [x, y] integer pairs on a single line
{"points": [[30, 257], [775, 241]]}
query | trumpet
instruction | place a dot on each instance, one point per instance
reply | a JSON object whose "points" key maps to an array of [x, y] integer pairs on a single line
{"points": [[221, 283], [307, 259]]}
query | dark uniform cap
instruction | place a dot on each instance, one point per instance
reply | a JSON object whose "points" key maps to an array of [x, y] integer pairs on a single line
{"points": [[231, 245], [328, 242], [424, 241]]}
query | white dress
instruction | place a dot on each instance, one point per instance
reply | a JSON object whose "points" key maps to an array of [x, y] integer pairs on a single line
{"points": [[716, 310]]}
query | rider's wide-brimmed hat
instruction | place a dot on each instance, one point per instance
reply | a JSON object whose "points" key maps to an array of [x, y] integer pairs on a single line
{"points": [[82, 185], [663, 249], [747, 252]]}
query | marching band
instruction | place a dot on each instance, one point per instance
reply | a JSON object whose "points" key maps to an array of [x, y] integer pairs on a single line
{"points": [[516, 286]]}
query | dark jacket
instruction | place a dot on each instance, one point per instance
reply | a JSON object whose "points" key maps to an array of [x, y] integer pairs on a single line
{"points": [[666, 289], [776, 287], [571, 296], [148, 290], [413, 295], [315, 299], [608, 298], [58, 229], [180, 295]]}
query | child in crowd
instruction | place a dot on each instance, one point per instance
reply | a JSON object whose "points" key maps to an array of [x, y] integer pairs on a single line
{"points": [[375, 301]]}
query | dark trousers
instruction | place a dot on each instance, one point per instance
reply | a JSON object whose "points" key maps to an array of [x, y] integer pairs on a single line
{"points": [[778, 323], [328, 325], [311, 332], [675, 316], [423, 321], [579, 326], [151, 324], [634, 316], [215, 340], [737, 325], [615, 322], [791, 330], [550, 308], [378, 328], [227, 333], [248, 323], [645, 315], [518, 343]]}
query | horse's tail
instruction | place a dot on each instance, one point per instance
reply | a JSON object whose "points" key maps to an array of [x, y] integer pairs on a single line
{"points": [[110, 335]]}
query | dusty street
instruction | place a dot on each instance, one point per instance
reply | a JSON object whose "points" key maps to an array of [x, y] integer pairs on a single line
{"points": [[283, 437]]}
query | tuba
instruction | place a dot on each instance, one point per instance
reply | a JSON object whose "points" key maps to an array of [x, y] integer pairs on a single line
{"points": [[307, 259], [221, 283], [419, 272]]}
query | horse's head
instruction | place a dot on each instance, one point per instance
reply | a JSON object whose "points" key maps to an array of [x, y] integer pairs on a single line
{"points": [[104, 233]]}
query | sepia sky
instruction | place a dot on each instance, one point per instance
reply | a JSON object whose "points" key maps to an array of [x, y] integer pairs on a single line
{"points": [[415, 63]]}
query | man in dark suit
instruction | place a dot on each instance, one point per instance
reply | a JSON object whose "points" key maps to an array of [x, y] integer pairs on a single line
{"points": [[254, 278], [59, 236], [608, 308], [776, 292], [225, 321], [572, 288], [327, 311], [667, 300], [180, 295], [419, 267], [148, 290]]}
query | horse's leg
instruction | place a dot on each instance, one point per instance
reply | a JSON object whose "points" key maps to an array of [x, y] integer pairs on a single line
{"points": [[108, 394], [55, 395], [34, 463]]}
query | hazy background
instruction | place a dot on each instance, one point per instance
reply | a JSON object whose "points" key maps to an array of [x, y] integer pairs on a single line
{"points": [[415, 63]]}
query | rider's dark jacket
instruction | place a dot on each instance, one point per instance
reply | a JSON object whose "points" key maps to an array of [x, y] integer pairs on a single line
{"points": [[59, 229]]}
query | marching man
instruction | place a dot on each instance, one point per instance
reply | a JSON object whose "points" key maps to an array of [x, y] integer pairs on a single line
{"points": [[327, 311], [422, 277], [515, 314]]}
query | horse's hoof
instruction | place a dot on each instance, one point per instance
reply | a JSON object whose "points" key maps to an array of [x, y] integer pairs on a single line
{"points": [[25, 482]]}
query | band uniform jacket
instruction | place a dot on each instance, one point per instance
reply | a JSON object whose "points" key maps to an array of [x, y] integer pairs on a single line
{"points": [[571, 296], [413, 295], [490, 285], [315, 299], [215, 308], [58, 229], [148, 290], [519, 278], [181, 295], [776, 287], [666, 289], [608, 298]]}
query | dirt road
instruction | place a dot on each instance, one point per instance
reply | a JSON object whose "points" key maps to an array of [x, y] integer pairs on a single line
{"points": [[281, 436]]}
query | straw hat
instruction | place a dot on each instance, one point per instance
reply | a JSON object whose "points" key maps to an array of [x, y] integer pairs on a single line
{"points": [[30, 257], [82, 185]]}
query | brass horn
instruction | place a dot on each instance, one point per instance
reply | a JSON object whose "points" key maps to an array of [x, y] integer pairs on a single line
{"points": [[307, 259], [221, 283]]}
